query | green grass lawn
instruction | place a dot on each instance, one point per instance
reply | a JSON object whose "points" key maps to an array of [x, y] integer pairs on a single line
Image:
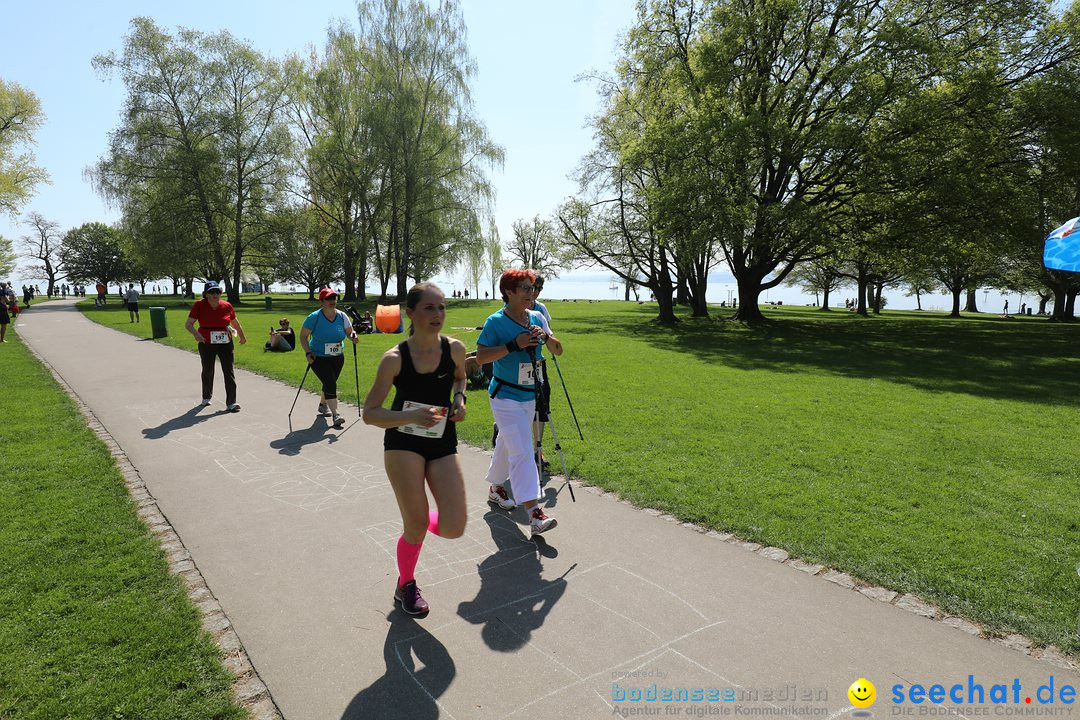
{"points": [[92, 625], [924, 454]]}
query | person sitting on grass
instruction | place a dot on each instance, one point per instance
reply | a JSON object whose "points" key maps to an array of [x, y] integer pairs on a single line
{"points": [[283, 339]]}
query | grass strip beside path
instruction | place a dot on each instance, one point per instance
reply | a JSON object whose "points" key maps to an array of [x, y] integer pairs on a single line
{"points": [[92, 625], [925, 454]]}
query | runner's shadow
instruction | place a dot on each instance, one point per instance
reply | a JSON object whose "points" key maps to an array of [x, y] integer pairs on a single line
{"points": [[295, 440], [189, 419], [514, 599], [396, 695]]}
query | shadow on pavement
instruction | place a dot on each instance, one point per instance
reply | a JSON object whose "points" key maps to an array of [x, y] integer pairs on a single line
{"points": [[189, 419], [404, 691], [514, 599], [295, 440]]}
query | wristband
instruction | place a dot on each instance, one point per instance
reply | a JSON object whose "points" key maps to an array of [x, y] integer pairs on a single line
{"points": [[512, 346], [464, 397]]}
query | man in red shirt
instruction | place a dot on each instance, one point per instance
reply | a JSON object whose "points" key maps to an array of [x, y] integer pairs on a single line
{"points": [[215, 316]]}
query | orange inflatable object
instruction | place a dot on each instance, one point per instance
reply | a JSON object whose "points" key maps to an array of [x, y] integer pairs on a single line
{"points": [[388, 319]]}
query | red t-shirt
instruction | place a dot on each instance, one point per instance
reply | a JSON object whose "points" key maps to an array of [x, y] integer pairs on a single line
{"points": [[211, 318]]}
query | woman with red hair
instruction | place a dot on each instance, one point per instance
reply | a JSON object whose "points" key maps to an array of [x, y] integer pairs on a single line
{"points": [[510, 339]]}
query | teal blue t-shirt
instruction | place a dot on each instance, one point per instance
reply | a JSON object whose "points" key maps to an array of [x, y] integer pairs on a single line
{"points": [[515, 367], [326, 333]]}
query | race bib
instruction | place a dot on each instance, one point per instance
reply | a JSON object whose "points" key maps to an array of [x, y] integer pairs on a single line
{"points": [[525, 374], [333, 349], [219, 337], [435, 431]]}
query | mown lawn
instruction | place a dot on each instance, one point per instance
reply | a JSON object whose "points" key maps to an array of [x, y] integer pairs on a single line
{"points": [[92, 625], [924, 454]]}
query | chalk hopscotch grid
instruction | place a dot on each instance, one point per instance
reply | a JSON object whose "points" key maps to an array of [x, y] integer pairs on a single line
{"points": [[323, 477]]}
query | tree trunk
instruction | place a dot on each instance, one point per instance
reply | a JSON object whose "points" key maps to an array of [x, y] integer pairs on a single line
{"points": [[666, 306], [825, 303], [1070, 305], [189, 287], [878, 287], [176, 286], [749, 292], [682, 293], [955, 302], [1043, 300], [918, 300], [971, 306]]}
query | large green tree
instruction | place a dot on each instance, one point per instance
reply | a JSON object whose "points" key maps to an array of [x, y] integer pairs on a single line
{"points": [[202, 133], [434, 150], [20, 117], [93, 253]]}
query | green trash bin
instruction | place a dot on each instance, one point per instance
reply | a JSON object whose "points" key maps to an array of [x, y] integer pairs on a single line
{"points": [[157, 322], [269, 303]]}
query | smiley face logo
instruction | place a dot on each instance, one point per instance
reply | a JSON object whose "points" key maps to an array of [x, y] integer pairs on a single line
{"points": [[862, 693]]}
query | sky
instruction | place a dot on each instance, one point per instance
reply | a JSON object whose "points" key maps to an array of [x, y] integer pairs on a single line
{"points": [[529, 56]]}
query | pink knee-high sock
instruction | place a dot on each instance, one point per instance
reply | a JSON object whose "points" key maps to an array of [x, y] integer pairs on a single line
{"points": [[407, 555], [433, 523]]}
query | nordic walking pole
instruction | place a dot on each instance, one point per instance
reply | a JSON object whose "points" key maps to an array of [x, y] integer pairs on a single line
{"points": [[298, 394], [567, 392], [562, 458], [356, 374]]}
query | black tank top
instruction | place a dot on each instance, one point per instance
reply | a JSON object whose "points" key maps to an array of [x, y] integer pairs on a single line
{"points": [[430, 388]]}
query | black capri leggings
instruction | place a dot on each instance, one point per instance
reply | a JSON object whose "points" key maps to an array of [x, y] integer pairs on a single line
{"points": [[327, 368]]}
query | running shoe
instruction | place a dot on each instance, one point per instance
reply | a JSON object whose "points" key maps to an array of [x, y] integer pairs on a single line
{"points": [[412, 602], [497, 495], [205, 402], [339, 422], [235, 407], [539, 522], [324, 410]]}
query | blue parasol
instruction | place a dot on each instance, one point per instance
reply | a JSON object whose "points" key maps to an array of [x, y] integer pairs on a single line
{"points": [[1062, 248]]}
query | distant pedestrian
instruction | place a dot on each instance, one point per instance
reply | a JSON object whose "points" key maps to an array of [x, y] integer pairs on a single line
{"points": [[1005, 312], [215, 316], [131, 297], [420, 443], [101, 290], [5, 317]]}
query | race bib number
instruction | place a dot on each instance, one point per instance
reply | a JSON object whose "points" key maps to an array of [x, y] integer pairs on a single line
{"points": [[219, 337], [435, 431], [525, 374], [333, 349]]}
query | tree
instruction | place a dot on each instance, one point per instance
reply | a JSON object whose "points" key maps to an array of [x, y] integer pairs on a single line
{"points": [[92, 253], [475, 264], [202, 133], [816, 276], [434, 150], [20, 117], [7, 257], [43, 247], [536, 245], [308, 252], [494, 251]]}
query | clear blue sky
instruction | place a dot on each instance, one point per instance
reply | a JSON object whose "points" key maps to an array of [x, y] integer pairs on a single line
{"points": [[528, 56]]}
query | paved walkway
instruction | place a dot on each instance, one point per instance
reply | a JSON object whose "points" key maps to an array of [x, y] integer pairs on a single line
{"points": [[295, 535]]}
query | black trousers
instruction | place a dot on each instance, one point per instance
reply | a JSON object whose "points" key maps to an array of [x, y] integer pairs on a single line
{"points": [[207, 353], [327, 369]]}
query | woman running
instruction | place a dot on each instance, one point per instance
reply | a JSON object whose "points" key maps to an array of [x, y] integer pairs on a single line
{"points": [[427, 371], [215, 316], [510, 340], [323, 338]]}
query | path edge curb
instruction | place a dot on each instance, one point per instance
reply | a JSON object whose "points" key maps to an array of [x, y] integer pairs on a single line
{"points": [[249, 691]]}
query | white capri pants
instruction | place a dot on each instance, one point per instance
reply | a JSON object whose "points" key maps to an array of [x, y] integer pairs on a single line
{"points": [[514, 449]]}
